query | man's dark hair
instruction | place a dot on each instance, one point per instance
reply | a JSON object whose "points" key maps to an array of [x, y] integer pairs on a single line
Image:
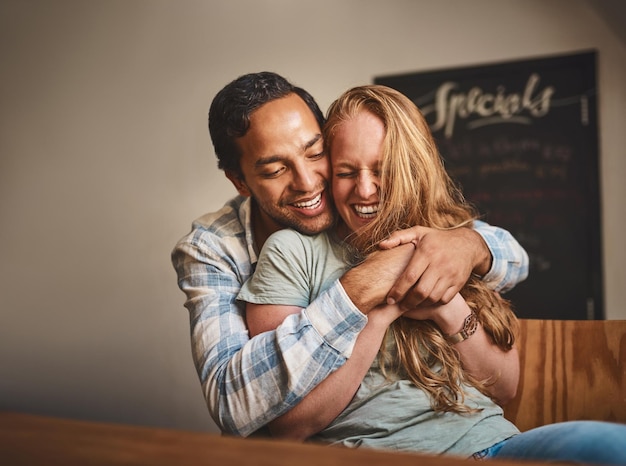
{"points": [[229, 115]]}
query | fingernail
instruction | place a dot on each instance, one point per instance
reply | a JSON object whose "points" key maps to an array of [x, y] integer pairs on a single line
{"points": [[390, 300]]}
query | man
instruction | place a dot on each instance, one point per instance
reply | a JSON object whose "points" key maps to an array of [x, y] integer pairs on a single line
{"points": [[267, 137]]}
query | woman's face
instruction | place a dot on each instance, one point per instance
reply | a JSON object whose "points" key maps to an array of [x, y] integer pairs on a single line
{"points": [[356, 155]]}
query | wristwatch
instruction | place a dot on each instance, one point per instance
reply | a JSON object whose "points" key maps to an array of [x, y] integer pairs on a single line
{"points": [[469, 328]]}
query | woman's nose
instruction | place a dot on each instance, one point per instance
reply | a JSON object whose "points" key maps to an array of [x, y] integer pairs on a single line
{"points": [[367, 184]]}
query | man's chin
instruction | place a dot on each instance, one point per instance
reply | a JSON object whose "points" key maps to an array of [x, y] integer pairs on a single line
{"points": [[315, 225]]}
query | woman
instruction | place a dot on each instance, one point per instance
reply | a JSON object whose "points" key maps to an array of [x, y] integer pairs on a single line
{"points": [[440, 368]]}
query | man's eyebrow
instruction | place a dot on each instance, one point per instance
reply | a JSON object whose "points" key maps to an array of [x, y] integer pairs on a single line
{"points": [[313, 141], [268, 160], [277, 158]]}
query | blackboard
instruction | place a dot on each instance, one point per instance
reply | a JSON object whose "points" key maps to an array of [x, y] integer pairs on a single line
{"points": [[520, 138]]}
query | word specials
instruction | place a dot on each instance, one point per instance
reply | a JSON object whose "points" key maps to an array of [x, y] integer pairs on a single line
{"points": [[487, 108]]}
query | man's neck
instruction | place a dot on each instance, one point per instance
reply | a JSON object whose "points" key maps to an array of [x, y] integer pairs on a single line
{"points": [[262, 226]]}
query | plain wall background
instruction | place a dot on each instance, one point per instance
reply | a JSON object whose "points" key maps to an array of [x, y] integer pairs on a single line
{"points": [[105, 160]]}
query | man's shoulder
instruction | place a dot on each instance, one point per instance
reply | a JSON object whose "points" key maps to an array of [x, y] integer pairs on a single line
{"points": [[217, 242], [226, 225], [231, 218]]}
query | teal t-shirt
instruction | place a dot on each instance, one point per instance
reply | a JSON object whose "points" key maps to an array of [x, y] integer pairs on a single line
{"points": [[293, 269]]}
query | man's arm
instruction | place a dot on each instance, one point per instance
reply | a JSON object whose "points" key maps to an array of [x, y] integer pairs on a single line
{"points": [[236, 371], [243, 379], [328, 399], [444, 260], [283, 279], [479, 355], [509, 260], [248, 382]]}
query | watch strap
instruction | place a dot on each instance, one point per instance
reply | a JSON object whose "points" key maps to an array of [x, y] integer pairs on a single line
{"points": [[470, 324]]}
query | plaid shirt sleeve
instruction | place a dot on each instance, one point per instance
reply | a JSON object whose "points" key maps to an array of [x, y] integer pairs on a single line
{"points": [[510, 261], [249, 382]]}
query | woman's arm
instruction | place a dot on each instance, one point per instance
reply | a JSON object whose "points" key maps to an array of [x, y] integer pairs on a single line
{"points": [[479, 355], [265, 317]]}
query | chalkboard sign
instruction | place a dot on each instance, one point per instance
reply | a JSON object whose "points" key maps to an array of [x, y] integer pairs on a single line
{"points": [[520, 138]]}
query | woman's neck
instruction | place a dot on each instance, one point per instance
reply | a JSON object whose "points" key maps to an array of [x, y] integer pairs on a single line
{"points": [[342, 231]]}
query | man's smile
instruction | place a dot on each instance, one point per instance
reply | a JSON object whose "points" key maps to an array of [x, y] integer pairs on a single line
{"points": [[309, 204]]}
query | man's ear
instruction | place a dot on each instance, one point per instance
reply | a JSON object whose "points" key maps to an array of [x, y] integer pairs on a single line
{"points": [[237, 181]]}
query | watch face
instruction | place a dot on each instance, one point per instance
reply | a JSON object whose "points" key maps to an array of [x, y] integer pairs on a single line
{"points": [[471, 324]]}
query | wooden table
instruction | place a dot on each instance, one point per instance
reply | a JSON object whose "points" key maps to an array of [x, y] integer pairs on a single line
{"points": [[35, 440]]}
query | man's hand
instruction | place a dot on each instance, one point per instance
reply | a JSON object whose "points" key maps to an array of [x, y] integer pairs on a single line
{"points": [[441, 264], [368, 284]]}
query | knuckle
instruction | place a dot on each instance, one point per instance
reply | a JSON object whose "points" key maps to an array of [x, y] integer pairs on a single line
{"points": [[411, 277], [421, 290]]}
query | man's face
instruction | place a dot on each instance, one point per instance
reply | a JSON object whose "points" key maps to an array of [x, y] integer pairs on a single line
{"points": [[285, 169]]}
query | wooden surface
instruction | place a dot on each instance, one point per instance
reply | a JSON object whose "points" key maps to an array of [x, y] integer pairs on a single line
{"points": [[34, 440], [571, 370]]}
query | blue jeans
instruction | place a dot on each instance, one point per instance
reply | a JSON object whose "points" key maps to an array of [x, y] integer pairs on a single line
{"points": [[575, 441]]}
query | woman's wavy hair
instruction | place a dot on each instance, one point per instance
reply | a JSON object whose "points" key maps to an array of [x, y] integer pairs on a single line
{"points": [[415, 189]]}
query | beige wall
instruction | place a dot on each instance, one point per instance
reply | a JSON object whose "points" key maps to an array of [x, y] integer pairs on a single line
{"points": [[105, 160]]}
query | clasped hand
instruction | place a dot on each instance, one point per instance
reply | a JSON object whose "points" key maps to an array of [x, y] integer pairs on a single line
{"points": [[441, 264]]}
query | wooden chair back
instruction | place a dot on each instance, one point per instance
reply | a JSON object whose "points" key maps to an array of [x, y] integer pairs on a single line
{"points": [[570, 370]]}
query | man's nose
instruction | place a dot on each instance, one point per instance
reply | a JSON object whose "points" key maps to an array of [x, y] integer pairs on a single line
{"points": [[304, 178]]}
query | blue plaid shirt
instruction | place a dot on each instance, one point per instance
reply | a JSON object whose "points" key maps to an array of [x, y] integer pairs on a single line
{"points": [[249, 382]]}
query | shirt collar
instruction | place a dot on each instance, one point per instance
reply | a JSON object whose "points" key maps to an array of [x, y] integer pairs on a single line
{"points": [[245, 217]]}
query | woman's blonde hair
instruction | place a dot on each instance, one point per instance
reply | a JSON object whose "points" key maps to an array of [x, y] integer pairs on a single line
{"points": [[415, 189]]}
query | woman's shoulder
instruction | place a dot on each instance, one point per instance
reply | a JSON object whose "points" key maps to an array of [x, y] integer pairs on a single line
{"points": [[288, 236]]}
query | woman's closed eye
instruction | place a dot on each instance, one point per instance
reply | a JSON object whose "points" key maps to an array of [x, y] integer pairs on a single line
{"points": [[347, 174], [352, 173]]}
